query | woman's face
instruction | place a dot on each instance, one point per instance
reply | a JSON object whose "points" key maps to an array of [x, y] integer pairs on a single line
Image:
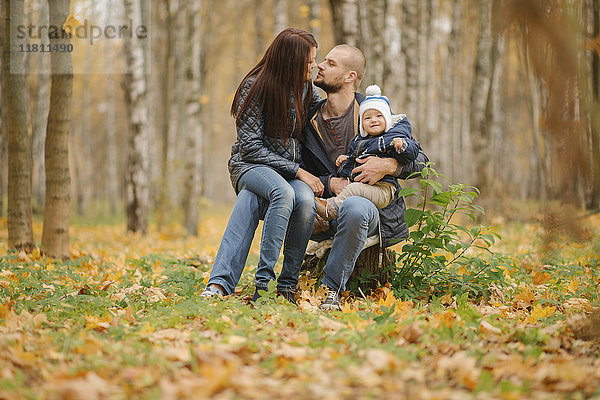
{"points": [[312, 63]]}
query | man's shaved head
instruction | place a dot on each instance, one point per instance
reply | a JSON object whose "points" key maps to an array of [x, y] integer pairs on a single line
{"points": [[353, 60]]}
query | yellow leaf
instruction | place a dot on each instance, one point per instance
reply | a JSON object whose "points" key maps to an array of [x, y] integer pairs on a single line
{"points": [[463, 271], [540, 277], [70, 24], [346, 307], [573, 286], [539, 312], [526, 295], [389, 300]]}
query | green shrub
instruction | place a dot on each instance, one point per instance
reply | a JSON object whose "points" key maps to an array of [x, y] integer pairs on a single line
{"points": [[436, 259]]}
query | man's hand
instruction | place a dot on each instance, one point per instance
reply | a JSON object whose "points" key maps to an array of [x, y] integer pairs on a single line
{"points": [[373, 169], [336, 185]]}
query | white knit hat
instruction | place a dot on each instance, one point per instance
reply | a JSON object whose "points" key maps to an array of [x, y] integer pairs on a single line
{"points": [[376, 101]]}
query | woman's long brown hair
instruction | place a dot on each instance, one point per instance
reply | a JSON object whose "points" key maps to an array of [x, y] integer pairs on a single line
{"points": [[279, 76]]}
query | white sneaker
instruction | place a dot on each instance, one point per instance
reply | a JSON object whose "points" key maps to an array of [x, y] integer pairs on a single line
{"points": [[212, 291], [332, 302]]}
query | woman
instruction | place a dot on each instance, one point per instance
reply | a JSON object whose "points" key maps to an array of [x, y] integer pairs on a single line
{"points": [[269, 107]]}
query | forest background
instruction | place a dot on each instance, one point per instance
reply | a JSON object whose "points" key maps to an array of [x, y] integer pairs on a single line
{"points": [[502, 95]]}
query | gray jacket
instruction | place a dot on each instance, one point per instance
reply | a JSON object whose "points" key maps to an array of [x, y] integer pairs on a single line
{"points": [[253, 147]]}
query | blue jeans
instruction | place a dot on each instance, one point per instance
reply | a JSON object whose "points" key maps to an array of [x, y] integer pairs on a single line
{"points": [[288, 210], [358, 219]]}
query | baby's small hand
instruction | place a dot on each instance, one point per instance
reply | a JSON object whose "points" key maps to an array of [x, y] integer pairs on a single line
{"points": [[398, 143], [340, 160]]}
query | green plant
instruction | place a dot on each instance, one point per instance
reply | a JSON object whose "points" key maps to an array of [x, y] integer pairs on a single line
{"points": [[437, 257]]}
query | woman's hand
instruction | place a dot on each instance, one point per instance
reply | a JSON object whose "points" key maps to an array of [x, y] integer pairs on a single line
{"points": [[315, 183]]}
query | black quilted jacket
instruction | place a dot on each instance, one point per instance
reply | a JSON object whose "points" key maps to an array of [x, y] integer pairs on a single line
{"points": [[253, 147], [317, 161]]}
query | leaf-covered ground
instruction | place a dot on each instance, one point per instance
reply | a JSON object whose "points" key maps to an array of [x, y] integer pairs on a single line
{"points": [[123, 320]]}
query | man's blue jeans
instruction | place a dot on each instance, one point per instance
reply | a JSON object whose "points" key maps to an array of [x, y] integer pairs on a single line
{"points": [[358, 219], [288, 211]]}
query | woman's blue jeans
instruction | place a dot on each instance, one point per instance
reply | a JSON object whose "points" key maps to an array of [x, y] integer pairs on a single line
{"points": [[288, 213]]}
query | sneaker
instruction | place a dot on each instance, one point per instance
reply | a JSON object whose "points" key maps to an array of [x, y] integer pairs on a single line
{"points": [[289, 295], [212, 291], [320, 225], [321, 207], [332, 302]]}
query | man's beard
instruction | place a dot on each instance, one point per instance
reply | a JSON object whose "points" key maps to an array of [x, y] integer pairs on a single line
{"points": [[330, 87]]}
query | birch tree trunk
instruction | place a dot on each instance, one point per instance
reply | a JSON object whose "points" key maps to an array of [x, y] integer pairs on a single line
{"points": [[410, 53], [86, 139], [281, 19], [432, 112], [20, 233], [314, 17], [40, 113], [193, 158], [167, 83], [373, 41], [393, 68], [55, 235], [111, 159], [345, 22], [479, 95], [137, 158], [447, 142], [498, 143]]}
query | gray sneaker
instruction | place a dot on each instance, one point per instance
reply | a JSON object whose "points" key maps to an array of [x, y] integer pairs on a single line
{"points": [[212, 291], [332, 302]]}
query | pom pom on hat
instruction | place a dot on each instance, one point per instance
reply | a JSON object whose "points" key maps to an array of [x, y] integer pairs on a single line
{"points": [[373, 90], [376, 101]]}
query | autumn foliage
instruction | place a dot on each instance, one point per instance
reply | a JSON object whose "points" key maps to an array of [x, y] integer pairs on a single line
{"points": [[122, 319]]}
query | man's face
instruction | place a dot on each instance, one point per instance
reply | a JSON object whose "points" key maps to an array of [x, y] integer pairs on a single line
{"points": [[373, 122], [332, 72]]}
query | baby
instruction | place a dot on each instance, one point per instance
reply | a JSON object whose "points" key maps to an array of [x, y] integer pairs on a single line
{"points": [[380, 134]]}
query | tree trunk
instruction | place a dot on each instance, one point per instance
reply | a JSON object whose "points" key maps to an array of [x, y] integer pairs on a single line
{"points": [[20, 233], [447, 140], [137, 159], [392, 68], [432, 115], [479, 95], [500, 152], [410, 48], [40, 114], [85, 185], [163, 202], [593, 201], [193, 158], [3, 116], [373, 41], [111, 158], [281, 19], [345, 27], [55, 235], [315, 19]]}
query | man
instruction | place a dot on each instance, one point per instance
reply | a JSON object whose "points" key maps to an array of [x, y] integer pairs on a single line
{"points": [[333, 123]]}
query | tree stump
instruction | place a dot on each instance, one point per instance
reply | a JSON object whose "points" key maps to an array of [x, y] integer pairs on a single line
{"points": [[368, 274]]}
